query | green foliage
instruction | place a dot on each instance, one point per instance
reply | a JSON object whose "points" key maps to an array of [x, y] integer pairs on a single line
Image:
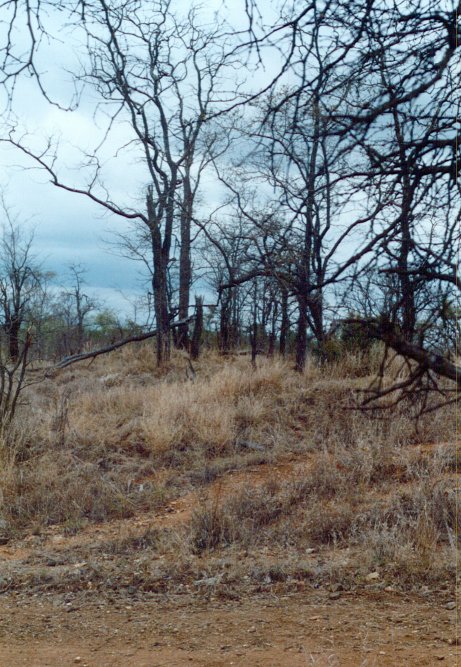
{"points": [[348, 338], [355, 338]]}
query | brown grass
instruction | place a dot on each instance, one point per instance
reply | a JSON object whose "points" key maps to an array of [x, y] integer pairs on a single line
{"points": [[122, 438]]}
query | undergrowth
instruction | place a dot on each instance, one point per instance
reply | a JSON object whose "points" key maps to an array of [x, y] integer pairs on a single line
{"points": [[123, 437]]}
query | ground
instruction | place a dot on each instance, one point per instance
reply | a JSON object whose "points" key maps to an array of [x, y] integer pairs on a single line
{"points": [[44, 625], [247, 517], [300, 629]]}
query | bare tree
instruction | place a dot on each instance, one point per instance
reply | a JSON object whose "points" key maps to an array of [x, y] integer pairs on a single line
{"points": [[352, 160], [72, 309], [20, 280], [164, 75]]}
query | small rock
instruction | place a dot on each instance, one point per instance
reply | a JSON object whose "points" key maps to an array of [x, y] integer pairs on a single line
{"points": [[255, 446], [252, 629], [335, 595], [77, 660], [372, 576], [451, 605], [209, 581]]}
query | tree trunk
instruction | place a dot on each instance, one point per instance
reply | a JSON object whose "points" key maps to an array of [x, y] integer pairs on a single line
{"points": [[407, 292], [224, 324], [160, 255], [406, 298], [272, 335], [301, 334], [161, 316], [285, 324], [271, 345], [316, 312], [185, 268], [13, 339], [254, 327], [198, 329]]}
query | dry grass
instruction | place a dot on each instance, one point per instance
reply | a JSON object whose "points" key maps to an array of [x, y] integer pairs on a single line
{"points": [[408, 535], [122, 438], [173, 416]]}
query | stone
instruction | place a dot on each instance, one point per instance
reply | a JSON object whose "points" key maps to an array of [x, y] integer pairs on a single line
{"points": [[209, 581]]}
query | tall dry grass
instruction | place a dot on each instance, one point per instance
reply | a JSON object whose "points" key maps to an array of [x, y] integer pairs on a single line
{"points": [[123, 437]]}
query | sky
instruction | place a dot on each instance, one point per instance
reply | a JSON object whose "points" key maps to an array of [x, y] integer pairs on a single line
{"points": [[69, 229]]}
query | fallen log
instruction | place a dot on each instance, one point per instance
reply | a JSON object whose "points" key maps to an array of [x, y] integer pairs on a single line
{"points": [[67, 361], [427, 360]]}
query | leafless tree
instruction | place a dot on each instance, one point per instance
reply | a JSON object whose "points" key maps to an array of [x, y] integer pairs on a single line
{"points": [[164, 75], [71, 311], [20, 280], [354, 133]]}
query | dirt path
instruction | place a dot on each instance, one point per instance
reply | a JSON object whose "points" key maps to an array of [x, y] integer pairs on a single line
{"points": [[177, 511], [289, 631]]}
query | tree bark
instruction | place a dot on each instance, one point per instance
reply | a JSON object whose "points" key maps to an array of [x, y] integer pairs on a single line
{"points": [[185, 267], [301, 334], [198, 329], [285, 324], [160, 253], [224, 323], [13, 339]]}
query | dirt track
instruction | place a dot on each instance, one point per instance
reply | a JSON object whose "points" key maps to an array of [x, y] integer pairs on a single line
{"points": [[301, 629]]}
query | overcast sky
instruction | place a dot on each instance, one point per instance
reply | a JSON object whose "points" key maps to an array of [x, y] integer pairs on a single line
{"points": [[69, 228]]}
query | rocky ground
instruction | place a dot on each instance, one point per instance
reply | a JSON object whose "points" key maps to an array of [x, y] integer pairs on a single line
{"points": [[270, 629]]}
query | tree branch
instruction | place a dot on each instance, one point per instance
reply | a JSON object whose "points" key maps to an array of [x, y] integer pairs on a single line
{"points": [[67, 361], [426, 359]]}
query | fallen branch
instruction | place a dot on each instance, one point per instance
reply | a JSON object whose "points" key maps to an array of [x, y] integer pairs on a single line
{"points": [[426, 359], [67, 361]]}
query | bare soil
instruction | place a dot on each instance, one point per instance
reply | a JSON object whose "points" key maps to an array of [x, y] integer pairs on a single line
{"points": [[266, 630]]}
